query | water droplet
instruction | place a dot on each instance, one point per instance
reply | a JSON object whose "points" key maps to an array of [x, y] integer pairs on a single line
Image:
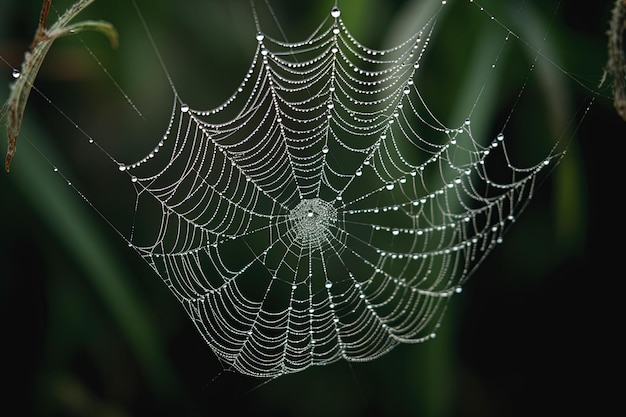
{"points": [[325, 149], [133, 179], [395, 232], [358, 173], [500, 136], [260, 36], [16, 73], [328, 284], [467, 121], [184, 108], [407, 90], [389, 186], [122, 168], [335, 12], [264, 52]]}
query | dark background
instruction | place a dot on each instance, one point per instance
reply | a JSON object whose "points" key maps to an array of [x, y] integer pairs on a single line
{"points": [[89, 330]]}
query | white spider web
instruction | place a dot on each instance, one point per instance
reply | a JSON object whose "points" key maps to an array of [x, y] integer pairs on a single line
{"points": [[323, 211]]}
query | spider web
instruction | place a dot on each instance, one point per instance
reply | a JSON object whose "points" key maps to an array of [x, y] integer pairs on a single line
{"points": [[322, 212]]}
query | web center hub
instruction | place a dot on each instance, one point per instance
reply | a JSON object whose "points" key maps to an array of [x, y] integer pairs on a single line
{"points": [[310, 222]]}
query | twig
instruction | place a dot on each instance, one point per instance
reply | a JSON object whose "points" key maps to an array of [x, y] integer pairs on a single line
{"points": [[616, 65], [40, 35], [15, 105]]}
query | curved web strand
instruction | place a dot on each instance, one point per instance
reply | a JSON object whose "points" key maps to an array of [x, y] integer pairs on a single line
{"points": [[322, 212]]}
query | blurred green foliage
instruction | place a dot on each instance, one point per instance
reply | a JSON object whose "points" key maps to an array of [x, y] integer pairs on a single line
{"points": [[89, 329]]}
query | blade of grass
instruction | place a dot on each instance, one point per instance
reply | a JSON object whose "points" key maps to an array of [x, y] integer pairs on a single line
{"points": [[436, 368], [67, 218]]}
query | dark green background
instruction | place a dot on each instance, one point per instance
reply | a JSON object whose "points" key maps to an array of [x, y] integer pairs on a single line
{"points": [[89, 330]]}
